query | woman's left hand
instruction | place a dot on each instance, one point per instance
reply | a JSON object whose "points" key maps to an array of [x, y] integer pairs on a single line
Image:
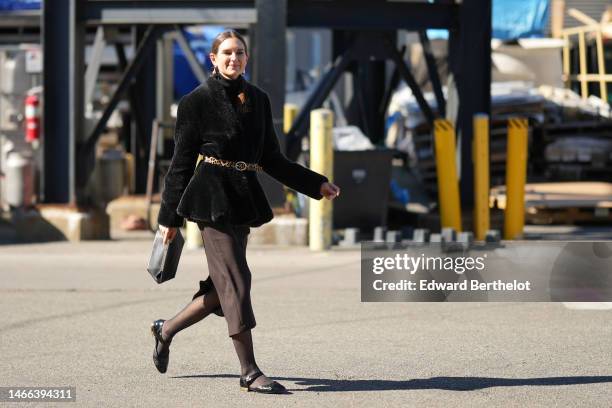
{"points": [[330, 190]]}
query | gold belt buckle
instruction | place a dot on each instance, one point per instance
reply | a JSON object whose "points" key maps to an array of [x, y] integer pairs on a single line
{"points": [[240, 166]]}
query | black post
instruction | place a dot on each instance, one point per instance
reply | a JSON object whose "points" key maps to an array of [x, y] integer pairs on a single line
{"points": [[269, 73], [373, 88], [432, 69], [76, 90], [63, 76], [470, 63], [144, 87]]}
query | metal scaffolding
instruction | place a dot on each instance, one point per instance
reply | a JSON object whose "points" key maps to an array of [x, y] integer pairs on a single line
{"points": [[362, 31]]}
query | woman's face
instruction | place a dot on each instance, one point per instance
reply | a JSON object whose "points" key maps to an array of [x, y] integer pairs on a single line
{"points": [[231, 58]]}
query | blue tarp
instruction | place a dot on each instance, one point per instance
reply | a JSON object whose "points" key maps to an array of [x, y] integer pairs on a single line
{"points": [[20, 4], [200, 42], [514, 19], [520, 18]]}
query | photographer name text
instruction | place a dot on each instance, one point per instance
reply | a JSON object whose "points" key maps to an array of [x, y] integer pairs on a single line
{"points": [[433, 285]]}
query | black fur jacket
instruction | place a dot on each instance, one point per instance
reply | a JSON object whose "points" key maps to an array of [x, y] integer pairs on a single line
{"points": [[210, 124]]}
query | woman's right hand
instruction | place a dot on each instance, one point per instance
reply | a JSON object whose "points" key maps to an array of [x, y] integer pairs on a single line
{"points": [[168, 233]]}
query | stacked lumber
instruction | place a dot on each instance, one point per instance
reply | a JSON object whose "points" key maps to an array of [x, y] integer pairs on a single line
{"points": [[562, 203]]}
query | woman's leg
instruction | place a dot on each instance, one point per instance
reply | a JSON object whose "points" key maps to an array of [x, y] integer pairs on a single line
{"points": [[198, 309], [226, 256], [243, 343]]}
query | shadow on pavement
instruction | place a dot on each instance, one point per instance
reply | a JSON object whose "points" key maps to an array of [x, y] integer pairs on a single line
{"points": [[441, 383]]}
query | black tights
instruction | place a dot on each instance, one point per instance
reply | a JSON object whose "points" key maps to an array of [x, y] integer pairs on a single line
{"points": [[197, 310]]}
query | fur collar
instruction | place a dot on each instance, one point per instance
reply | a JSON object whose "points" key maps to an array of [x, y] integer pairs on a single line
{"points": [[220, 101]]}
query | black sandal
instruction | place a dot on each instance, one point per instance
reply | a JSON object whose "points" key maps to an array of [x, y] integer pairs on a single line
{"points": [[160, 360], [271, 388]]}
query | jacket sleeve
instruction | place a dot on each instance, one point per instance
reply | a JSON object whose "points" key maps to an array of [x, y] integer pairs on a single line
{"points": [[182, 166], [286, 171]]}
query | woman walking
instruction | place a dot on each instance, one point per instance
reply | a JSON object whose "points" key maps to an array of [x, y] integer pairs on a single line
{"points": [[228, 121]]}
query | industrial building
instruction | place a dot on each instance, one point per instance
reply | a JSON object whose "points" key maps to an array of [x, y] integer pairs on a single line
{"points": [[90, 91]]}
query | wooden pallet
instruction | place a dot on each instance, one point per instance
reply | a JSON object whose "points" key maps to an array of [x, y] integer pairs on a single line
{"points": [[562, 203]]}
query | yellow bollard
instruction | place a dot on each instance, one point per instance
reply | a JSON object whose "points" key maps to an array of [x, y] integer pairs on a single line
{"points": [[321, 161], [290, 111], [193, 238], [446, 168], [516, 173], [480, 157]]}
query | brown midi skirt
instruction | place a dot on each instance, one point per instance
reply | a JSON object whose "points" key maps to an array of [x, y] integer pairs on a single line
{"points": [[229, 274]]}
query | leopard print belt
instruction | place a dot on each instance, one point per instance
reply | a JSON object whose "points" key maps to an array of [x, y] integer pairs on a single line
{"points": [[237, 165]]}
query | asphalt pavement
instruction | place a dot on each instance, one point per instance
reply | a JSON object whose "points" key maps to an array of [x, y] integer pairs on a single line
{"points": [[79, 315]]}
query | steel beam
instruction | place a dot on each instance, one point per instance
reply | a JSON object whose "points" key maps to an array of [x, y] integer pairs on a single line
{"points": [[273, 16], [470, 63], [25, 18], [87, 149], [315, 100], [93, 67], [165, 84], [372, 85], [135, 107], [145, 85], [364, 14], [269, 68], [195, 66], [269, 72], [64, 69], [56, 24], [432, 69], [338, 14], [76, 92], [230, 13], [359, 81], [390, 88], [410, 81], [362, 48]]}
